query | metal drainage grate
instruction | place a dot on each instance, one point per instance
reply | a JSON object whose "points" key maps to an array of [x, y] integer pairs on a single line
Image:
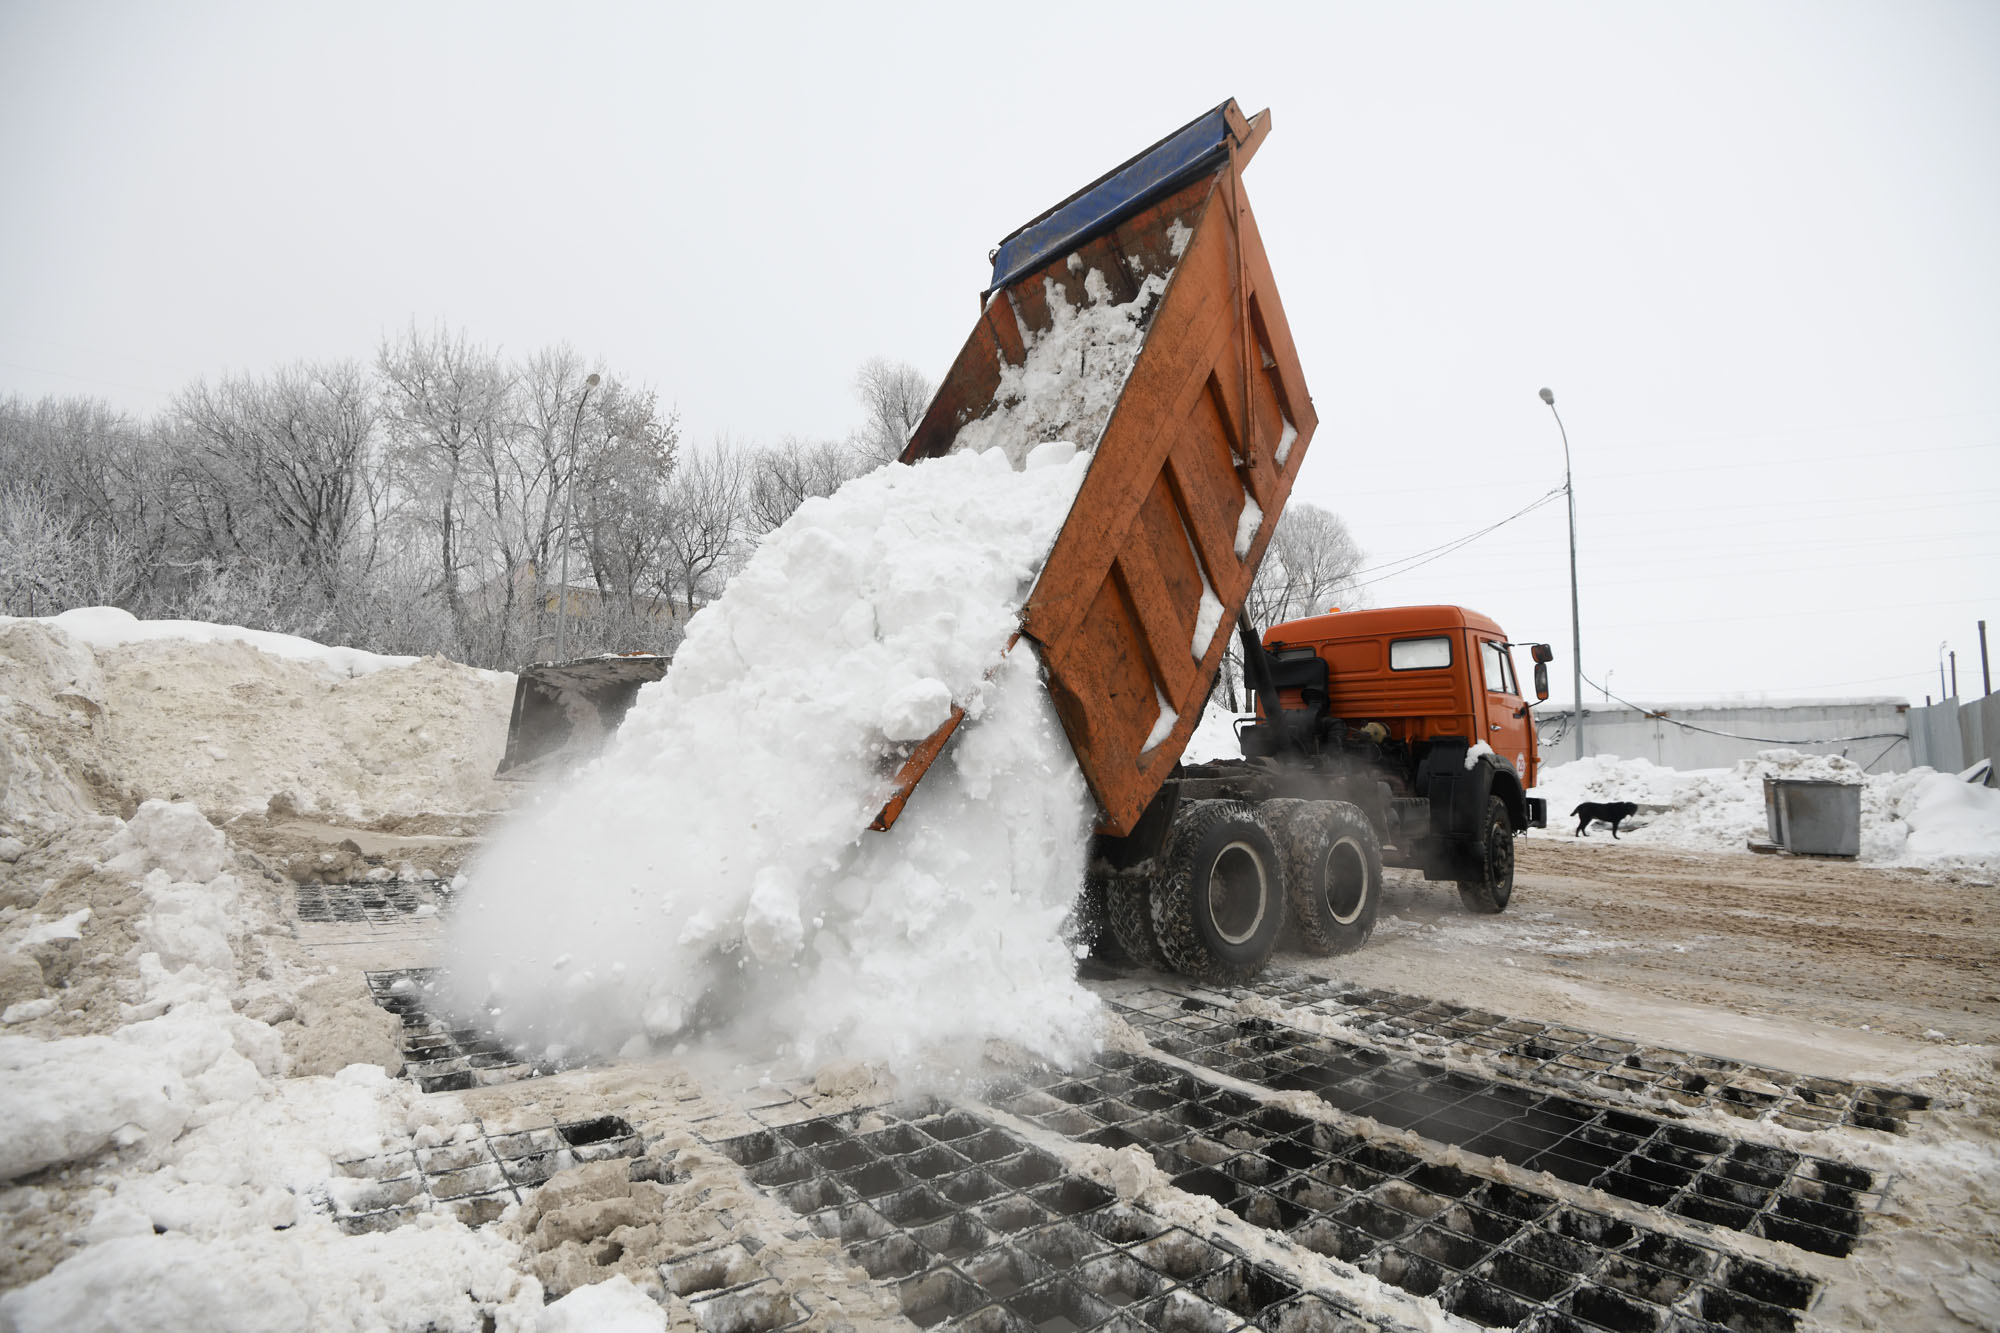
{"points": [[377, 901], [1805, 1201], [1485, 1250], [976, 1229], [441, 1058], [475, 1178], [1550, 1053]]}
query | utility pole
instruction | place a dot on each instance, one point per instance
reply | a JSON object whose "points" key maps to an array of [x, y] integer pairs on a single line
{"points": [[1575, 614], [1954, 673], [1985, 670]]}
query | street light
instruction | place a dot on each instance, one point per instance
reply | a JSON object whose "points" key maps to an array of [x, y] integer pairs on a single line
{"points": [[1575, 615], [569, 512]]}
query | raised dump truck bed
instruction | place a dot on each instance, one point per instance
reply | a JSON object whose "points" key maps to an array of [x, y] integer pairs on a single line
{"points": [[1139, 318], [1133, 610]]}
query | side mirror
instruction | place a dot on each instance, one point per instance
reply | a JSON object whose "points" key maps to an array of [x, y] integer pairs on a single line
{"points": [[1543, 653], [1541, 680]]}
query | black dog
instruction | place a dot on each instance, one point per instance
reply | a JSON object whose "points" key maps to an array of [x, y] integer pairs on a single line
{"points": [[1608, 811]]}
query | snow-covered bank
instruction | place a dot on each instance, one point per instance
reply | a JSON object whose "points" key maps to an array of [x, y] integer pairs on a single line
{"points": [[110, 627], [714, 868], [1917, 818], [100, 712]]}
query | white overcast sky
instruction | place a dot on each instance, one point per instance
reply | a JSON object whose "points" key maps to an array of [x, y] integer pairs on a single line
{"points": [[1753, 247]]}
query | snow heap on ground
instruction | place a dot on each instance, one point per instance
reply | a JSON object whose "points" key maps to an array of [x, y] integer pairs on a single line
{"points": [[99, 712], [1918, 818], [714, 869], [1074, 371], [111, 627], [203, 1219]]}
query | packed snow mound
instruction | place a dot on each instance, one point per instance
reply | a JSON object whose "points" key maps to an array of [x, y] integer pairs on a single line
{"points": [[220, 720], [714, 869], [1918, 818], [1215, 736]]}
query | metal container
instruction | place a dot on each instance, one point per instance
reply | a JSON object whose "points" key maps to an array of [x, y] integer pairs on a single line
{"points": [[1813, 816]]}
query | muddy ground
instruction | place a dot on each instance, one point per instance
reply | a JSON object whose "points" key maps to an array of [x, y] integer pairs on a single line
{"points": [[1909, 952], [1791, 1062]]}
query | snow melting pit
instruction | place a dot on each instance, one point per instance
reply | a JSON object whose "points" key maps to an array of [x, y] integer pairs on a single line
{"points": [[438, 1057], [975, 1228], [1563, 1056], [1482, 1248], [1815, 1204], [757, 1308], [375, 901], [475, 1176]]}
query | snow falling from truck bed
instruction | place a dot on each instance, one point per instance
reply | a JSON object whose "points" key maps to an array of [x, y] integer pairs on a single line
{"points": [[714, 870]]}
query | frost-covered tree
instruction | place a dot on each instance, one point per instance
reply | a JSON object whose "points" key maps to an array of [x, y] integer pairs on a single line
{"points": [[446, 402], [85, 514], [624, 517], [275, 474], [894, 396]]}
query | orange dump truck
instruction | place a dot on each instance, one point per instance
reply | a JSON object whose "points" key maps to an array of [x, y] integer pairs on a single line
{"points": [[1154, 280]]}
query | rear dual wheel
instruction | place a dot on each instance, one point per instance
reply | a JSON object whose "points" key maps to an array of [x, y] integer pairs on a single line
{"points": [[1218, 903], [1333, 871]]}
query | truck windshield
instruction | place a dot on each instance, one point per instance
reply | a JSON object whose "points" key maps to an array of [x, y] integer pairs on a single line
{"points": [[1418, 654], [1499, 668]]}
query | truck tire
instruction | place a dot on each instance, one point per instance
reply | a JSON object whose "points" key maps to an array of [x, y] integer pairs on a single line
{"points": [[1219, 901], [1491, 859], [1333, 872], [1128, 918]]}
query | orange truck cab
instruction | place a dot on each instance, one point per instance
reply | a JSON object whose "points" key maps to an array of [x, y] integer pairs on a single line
{"points": [[1426, 673]]}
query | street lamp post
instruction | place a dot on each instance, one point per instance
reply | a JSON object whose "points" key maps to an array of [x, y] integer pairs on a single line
{"points": [[569, 512], [1575, 614]]}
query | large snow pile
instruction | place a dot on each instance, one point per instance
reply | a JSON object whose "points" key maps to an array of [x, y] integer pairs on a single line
{"points": [[99, 712], [714, 869], [1918, 818]]}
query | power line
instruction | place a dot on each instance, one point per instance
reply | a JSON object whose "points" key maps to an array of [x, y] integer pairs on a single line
{"points": [[1422, 558]]}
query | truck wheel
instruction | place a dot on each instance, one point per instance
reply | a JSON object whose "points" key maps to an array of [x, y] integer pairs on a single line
{"points": [[1492, 860], [1333, 872], [1219, 903], [1128, 917]]}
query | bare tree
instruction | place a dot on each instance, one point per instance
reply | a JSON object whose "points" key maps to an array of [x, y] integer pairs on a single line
{"points": [[445, 404], [784, 477], [1308, 569], [894, 396], [705, 508], [623, 516], [276, 472]]}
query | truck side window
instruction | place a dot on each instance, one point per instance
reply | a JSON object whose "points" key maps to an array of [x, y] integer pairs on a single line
{"points": [[1498, 666], [1419, 654]]}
